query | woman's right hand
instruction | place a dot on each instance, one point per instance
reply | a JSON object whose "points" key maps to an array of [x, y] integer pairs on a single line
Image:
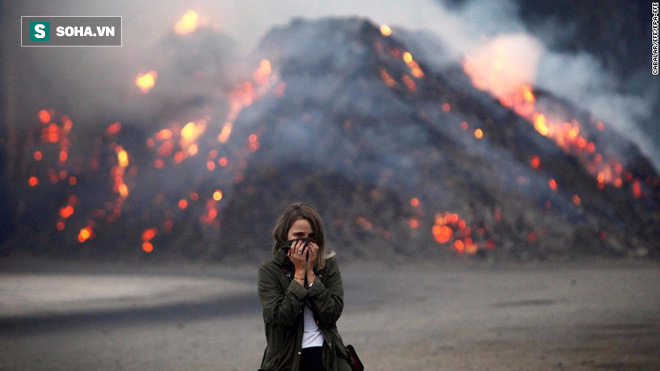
{"points": [[298, 256]]}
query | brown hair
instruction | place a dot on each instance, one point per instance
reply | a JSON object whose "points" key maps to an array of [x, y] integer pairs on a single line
{"points": [[297, 211]]}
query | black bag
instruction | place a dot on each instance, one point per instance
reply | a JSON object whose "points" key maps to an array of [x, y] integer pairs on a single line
{"points": [[357, 364]]}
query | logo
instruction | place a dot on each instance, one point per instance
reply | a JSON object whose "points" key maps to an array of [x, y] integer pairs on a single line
{"points": [[39, 31], [72, 31]]}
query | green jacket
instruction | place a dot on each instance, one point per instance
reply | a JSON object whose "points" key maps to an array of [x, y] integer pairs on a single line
{"points": [[283, 299]]}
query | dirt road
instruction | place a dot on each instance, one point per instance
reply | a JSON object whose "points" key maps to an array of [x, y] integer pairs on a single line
{"points": [[450, 316]]}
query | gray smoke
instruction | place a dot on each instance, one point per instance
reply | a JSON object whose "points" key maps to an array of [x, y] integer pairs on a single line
{"points": [[77, 74]]}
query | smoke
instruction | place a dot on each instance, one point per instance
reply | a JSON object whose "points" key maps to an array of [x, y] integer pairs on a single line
{"points": [[466, 30]]}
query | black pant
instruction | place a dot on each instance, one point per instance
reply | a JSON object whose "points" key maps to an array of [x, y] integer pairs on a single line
{"points": [[310, 360]]}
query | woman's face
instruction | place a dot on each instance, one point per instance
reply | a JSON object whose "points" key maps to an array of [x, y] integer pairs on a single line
{"points": [[300, 229]]}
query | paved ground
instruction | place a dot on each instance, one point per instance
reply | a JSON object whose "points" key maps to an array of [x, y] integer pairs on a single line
{"points": [[453, 317]]}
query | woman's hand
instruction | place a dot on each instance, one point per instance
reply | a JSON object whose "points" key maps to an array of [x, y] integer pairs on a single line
{"points": [[313, 250], [297, 255]]}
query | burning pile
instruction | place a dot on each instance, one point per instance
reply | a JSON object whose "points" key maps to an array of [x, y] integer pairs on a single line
{"points": [[399, 157]]}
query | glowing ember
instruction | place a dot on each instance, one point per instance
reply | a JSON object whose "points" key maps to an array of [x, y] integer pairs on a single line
{"points": [[146, 81], [85, 234], [535, 162], [33, 181], [415, 70], [44, 116], [217, 195], [114, 128], [385, 30], [478, 134], [414, 202], [449, 226], [188, 23]]}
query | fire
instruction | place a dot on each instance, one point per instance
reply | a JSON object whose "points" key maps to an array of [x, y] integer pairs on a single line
{"points": [[415, 70], [113, 129], [44, 116], [188, 23], [450, 226], [85, 234], [146, 81], [385, 30], [502, 70]]}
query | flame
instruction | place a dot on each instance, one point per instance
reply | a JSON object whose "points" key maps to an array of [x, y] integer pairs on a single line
{"points": [[188, 23], [113, 129], [502, 70], [450, 226], [85, 234], [415, 70], [146, 81], [44, 116], [385, 30]]}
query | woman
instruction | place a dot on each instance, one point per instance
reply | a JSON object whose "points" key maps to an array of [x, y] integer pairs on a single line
{"points": [[302, 297]]}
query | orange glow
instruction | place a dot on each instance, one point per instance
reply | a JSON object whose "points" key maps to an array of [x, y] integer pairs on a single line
{"points": [[459, 246], [413, 223], [85, 234], [210, 165], [442, 233], [576, 200], [114, 128], [409, 83], [553, 184], [217, 195], [262, 74], [414, 202], [188, 23], [535, 162], [38, 156], [158, 163], [385, 30], [478, 134], [464, 125], [223, 137], [183, 204], [122, 157], [148, 234], [146, 81], [253, 142], [63, 156], [164, 134], [540, 125], [387, 78], [637, 189], [223, 161], [147, 247], [73, 181], [44, 116], [60, 226], [501, 70], [123, 190], [194, 196], [33, 181], [66, 212], [415, 70]]}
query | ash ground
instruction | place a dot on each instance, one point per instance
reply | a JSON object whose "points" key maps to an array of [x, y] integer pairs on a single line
{"points": [[451, 316]]}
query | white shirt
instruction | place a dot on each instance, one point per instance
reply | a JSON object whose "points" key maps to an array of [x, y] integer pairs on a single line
{"points": [[312, 336]]}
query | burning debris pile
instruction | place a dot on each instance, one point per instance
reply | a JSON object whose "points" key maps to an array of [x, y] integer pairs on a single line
{"points": [[400, 157]]}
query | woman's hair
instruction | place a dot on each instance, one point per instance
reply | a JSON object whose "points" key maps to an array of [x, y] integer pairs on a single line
{"points": [[297, 211]]}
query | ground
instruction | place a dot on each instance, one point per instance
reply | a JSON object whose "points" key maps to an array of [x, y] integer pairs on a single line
{"points": [[450, 316]]}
